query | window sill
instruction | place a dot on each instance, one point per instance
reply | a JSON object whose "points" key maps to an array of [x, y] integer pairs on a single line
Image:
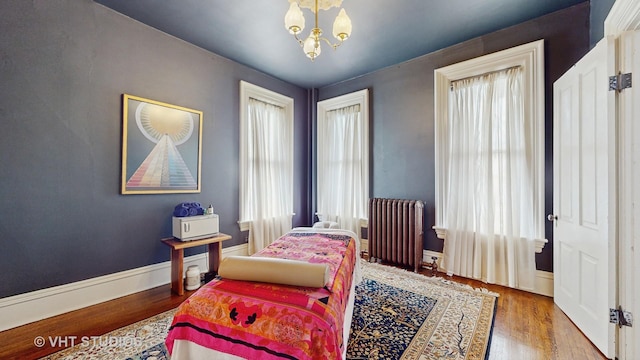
{"points": [[539, 243], [244, 225]]}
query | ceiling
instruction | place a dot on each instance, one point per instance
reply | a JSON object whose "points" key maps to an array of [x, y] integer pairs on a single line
{"points": [[385, 32]]}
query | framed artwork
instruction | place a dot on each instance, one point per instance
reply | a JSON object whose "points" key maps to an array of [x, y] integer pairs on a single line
{"points": [[161, 147]]}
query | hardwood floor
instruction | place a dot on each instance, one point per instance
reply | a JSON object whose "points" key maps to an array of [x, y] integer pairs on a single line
{"points": [[527, 326], [19, 343], [532, 327]]}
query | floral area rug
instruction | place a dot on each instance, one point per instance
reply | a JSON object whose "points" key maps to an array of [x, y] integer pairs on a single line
{"points": [[404, 315], [141, 340], [398, 315]]}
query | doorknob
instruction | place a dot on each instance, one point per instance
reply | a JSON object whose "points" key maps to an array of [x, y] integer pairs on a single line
{"points": [[552, 217]]}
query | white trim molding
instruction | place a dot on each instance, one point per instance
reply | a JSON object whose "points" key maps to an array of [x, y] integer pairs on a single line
{"points": [[543, 281], [622, 20], [623, 16], [41, 304], [441, 233]]}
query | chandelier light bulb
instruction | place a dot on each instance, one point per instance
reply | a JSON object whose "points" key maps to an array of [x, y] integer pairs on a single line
{"points": [[294, 19], [342, 26], [311, 47]]}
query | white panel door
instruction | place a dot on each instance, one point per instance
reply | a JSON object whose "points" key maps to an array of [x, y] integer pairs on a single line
{"points": [[584, 197]]}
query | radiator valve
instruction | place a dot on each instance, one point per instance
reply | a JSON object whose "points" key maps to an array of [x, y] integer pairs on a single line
{"points": [[433, 266]]}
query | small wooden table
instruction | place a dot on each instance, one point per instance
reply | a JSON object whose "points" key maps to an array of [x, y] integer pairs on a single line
{"points": [[214, 245]]}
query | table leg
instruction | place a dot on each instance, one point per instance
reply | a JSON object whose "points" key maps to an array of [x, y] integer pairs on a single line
{"points": [[177, 263], [215, 256]]}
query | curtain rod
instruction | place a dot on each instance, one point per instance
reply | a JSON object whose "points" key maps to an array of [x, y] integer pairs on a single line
{"points": [[483, 74]]}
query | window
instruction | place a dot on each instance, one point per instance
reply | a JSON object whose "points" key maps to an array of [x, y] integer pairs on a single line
{"points": [[266, 164], [531, 58], [487, 130], [343, 159], [489, 165]]}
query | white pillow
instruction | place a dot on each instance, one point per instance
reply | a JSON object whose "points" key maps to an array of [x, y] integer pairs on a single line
{"points": [[326, 225]]}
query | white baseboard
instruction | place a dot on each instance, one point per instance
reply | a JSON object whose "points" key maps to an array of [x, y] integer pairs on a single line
{"points": [[41, 304], [543, 282]]}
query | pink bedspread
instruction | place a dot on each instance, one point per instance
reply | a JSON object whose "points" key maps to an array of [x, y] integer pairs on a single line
{"points": [[270, 321]]}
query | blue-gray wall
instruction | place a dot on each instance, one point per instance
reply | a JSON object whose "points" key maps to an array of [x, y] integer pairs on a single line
{"points": [[402, 114], [599, 11], [64, 66]]}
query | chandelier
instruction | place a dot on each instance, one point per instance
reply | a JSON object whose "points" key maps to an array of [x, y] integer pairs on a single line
{"points": [[294, 22]]}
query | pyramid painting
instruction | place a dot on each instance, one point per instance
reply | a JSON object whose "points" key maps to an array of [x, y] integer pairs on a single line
{"points": [[166, 134], [163, 167]]}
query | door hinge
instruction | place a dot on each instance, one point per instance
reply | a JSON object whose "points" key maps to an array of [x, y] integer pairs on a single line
{"points": [[620, 317], [620, 82]]}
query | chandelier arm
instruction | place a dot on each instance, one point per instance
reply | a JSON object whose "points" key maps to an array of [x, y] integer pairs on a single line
{"points": [[334, 46], [301, 42]]}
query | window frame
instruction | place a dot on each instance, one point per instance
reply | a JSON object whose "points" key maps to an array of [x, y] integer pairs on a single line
{"points": [[247, 91], [361, 98], [531, 57]]}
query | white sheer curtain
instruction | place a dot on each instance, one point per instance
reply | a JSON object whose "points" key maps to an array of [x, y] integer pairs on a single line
{"points": [[490, 227], [267, 184], [342, 171]]}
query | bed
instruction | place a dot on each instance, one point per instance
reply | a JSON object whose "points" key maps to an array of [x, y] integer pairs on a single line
{"points": [[237, 319]]}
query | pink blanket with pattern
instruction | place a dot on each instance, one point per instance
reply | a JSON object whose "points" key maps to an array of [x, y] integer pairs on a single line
{"points": [[269, 321]]}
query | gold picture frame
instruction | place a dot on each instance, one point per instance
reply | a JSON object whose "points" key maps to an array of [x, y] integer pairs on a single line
{"points": [[161, 147]]}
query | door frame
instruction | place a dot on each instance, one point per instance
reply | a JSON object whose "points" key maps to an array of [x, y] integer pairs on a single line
{"points": [[625, 16]]}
